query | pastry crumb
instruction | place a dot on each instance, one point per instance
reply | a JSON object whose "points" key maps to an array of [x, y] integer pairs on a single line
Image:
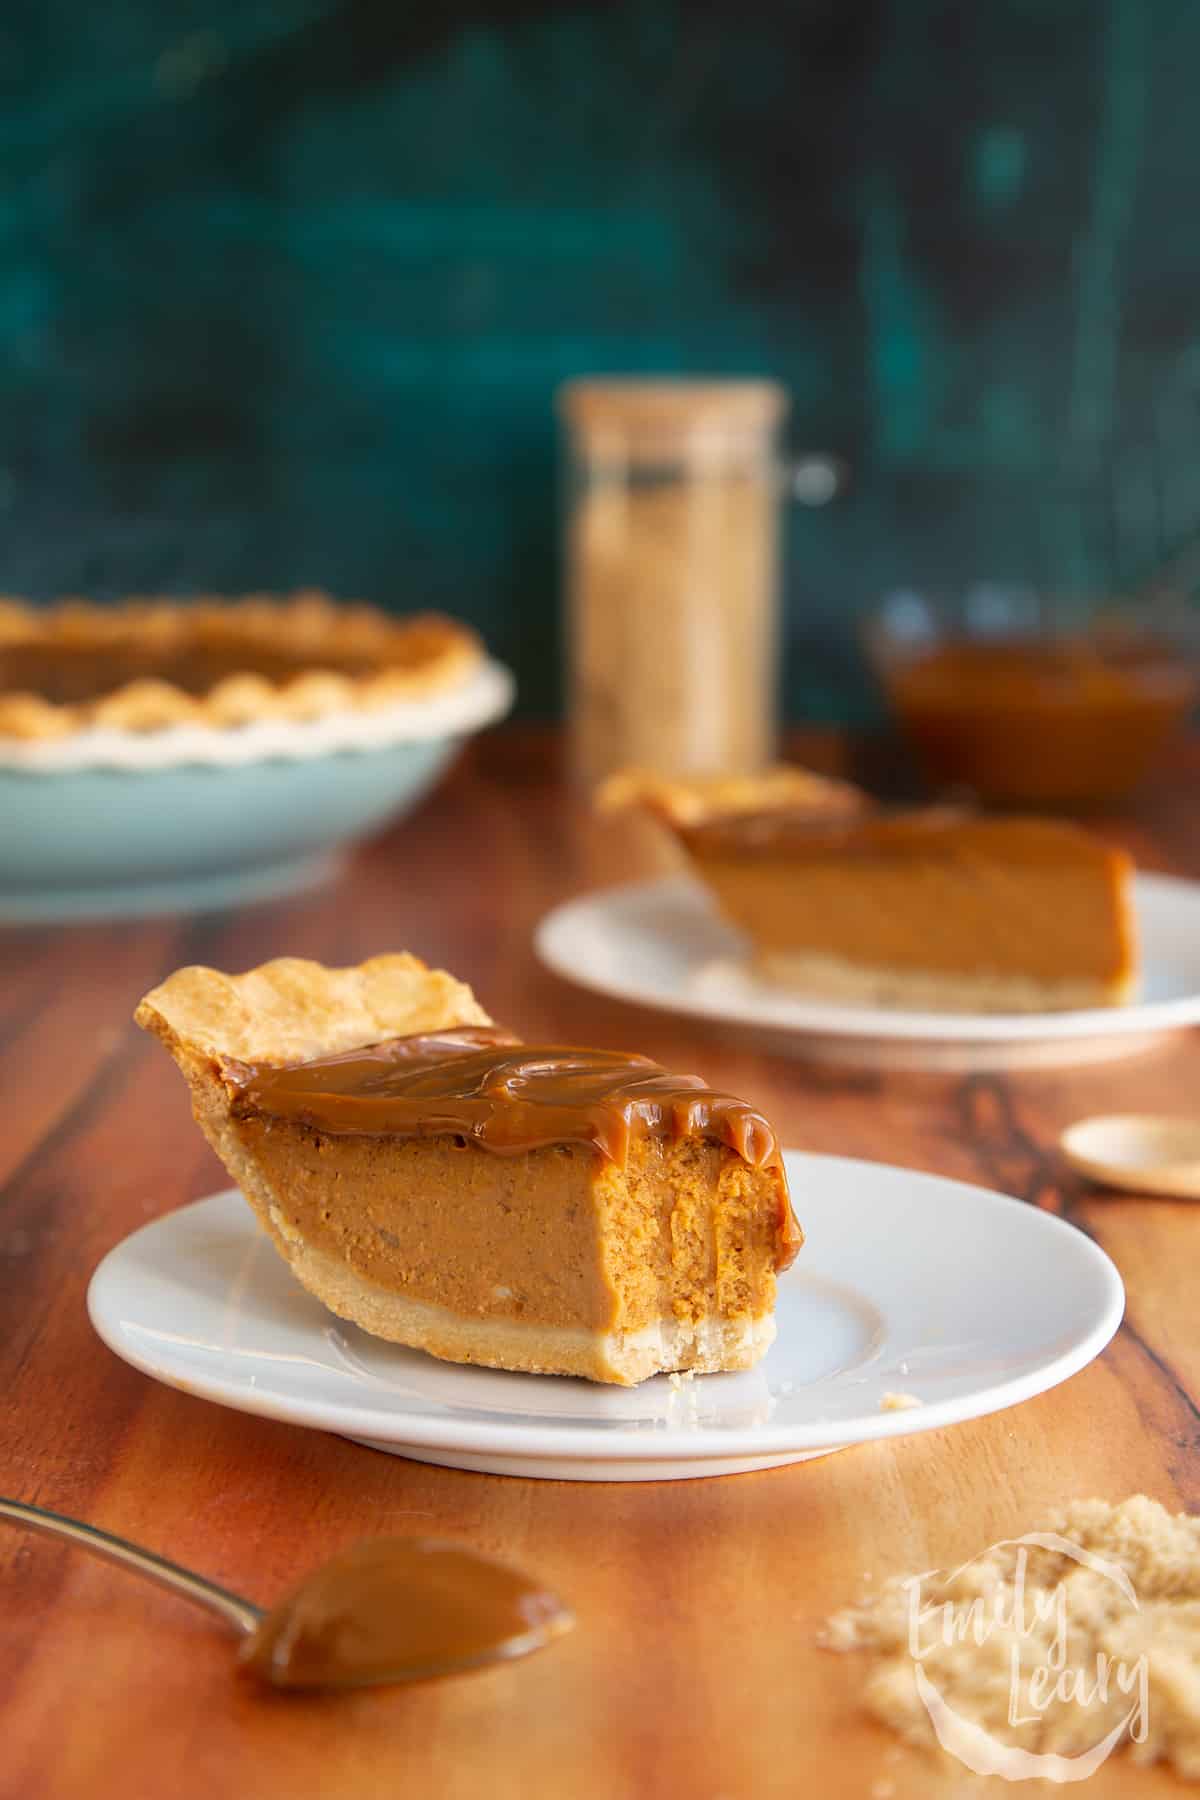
{"points": [[899, 1402], [678, 1378], [1080, 1637]]}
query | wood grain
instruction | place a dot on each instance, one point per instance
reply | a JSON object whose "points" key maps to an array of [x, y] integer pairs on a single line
{"points": [[694, 1668]]}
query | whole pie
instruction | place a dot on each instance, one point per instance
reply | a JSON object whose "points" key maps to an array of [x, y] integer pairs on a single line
{"points": [[148, 664], [443, 1185], [931, 908]]}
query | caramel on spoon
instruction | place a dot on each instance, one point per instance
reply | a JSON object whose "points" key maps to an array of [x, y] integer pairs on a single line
{"points": [[387, 1610]]}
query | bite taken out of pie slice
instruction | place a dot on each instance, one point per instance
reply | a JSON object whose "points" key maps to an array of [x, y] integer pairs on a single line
{"points": [[443, 1185]]}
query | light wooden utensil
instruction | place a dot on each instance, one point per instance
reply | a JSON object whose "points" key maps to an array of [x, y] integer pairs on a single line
{"points": [[1148, 1153]]}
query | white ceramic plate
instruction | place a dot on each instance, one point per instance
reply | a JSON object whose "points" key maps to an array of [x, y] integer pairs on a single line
{"points": [[907, 1284], [662, 944]]}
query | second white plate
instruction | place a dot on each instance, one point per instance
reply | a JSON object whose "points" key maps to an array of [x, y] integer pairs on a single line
{"points": [[662, 944], [907, 1284]]}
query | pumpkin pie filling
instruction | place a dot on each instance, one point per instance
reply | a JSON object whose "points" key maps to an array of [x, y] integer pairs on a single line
{"points": [[550, 1209], [76, 674], [147, 665]]}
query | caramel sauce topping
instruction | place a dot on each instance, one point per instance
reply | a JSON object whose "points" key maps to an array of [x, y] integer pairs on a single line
{"points": [[940, 831], [481, 1084]]}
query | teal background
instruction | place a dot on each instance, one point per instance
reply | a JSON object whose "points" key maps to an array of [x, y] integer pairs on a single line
{"points": [[286, 288]]}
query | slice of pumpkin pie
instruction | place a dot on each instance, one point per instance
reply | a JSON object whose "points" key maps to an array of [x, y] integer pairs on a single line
{"points": [[445, 1186], [935, 907], [931, 908]]}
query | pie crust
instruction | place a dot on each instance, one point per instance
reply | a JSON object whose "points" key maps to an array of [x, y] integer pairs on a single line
{"points": [[679, 800], [290, 1010], [297, 658]]}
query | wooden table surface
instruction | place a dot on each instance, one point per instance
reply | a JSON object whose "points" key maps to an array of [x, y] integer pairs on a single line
{"points": [[693, 1669]]}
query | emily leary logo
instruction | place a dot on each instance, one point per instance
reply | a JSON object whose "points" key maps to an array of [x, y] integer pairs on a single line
{"points": [[1026, 1629]]}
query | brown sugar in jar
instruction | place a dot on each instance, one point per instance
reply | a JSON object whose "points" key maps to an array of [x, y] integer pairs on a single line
{"points": [[671, 569]]}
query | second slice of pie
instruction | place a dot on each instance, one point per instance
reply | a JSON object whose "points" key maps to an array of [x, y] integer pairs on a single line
{"points": [[426, 1175], [930, 908]]}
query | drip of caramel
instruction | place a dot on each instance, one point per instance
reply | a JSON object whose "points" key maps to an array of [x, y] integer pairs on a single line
{"points": [[507, 1097]]}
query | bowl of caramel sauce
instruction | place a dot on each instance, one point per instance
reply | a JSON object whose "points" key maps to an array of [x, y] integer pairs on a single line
{"points": [[1033, 716]]}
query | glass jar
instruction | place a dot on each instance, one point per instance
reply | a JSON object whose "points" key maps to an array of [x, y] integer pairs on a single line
{"points": [[1029, 700], [671, 566]]}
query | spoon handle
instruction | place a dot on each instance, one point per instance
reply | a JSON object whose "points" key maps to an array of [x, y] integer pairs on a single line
{"points": [[238, 1613]]}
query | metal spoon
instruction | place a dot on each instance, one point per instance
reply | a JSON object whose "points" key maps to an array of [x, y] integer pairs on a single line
{"points": [[1149, 1153], [387, 1610]]}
